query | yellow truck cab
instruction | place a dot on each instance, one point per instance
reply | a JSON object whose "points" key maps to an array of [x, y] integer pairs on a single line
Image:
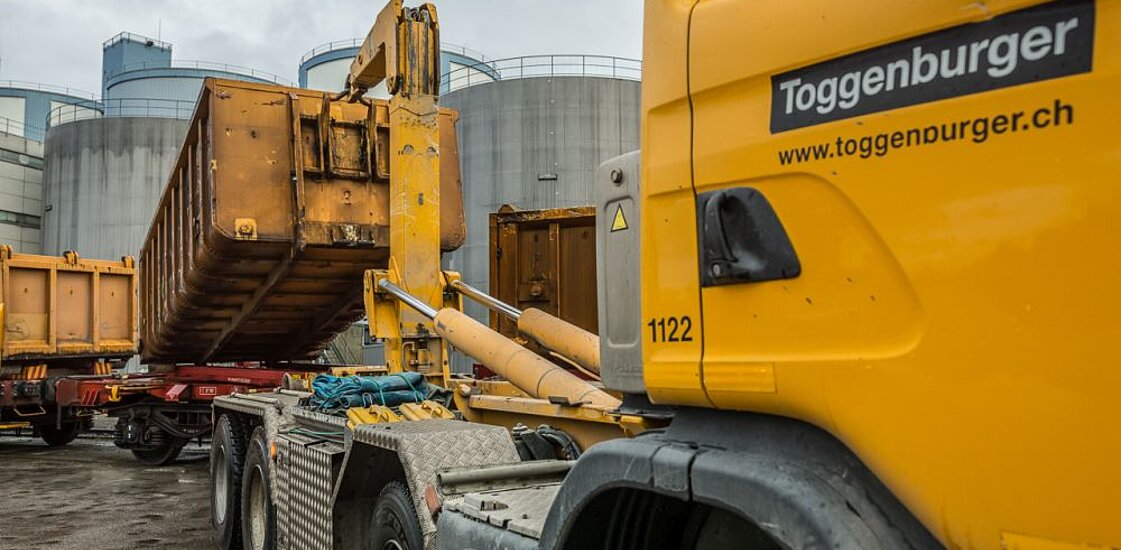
{"points": [[857, 288], [876, 278]]}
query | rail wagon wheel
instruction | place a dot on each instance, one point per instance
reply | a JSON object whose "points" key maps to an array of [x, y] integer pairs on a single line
{"points": [[60, 436], [165, 449]]}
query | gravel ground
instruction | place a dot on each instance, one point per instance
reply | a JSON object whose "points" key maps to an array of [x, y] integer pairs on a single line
{"points": [[91, 495]]}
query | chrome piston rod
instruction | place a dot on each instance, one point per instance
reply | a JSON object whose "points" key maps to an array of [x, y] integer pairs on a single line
{"points": [[487, 300], [408, 299]]}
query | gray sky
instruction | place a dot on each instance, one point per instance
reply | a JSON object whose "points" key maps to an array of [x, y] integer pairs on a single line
{"points": [[59, 41]]}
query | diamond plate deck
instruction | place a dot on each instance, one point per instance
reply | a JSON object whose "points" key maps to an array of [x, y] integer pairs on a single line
{"points": [[305, 467]]}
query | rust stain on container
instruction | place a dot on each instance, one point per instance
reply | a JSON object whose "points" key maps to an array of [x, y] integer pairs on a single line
{"points": [[67, 306], [277, 204], [545, 259]]}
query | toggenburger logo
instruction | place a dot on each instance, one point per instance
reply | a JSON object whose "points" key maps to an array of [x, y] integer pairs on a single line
{"points": [[1044, 42]]}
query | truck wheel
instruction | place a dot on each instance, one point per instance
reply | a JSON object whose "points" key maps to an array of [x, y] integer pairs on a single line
{"points": [[258, 524], [227, 456], [395, 525], [60, 436]]}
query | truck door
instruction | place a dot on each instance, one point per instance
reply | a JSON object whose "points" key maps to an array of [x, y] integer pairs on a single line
{"points": [[905, 212], [671, 316]]}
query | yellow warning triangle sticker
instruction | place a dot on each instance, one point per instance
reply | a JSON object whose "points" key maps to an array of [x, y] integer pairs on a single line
{"points": [[620, 222]]}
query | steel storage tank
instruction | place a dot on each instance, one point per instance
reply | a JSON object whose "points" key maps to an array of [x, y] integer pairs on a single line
{"points": [[107, 160], [103, 176], [532, 138]]}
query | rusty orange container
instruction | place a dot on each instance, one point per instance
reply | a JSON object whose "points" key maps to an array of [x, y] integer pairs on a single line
{"points": [[277, 204], [66, 307], [545, 259]]}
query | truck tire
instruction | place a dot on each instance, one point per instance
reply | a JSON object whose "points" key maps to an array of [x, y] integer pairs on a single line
{"points": [[227, 458], [164, 453], [61, 436], [395, 525], [258, 525]]}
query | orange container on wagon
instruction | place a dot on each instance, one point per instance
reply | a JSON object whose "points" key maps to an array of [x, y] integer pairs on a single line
{"points": [[59, 307], [276, 206]]}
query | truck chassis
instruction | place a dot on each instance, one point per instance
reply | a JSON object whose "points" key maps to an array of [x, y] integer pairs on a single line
{"points": [[326, 478]]}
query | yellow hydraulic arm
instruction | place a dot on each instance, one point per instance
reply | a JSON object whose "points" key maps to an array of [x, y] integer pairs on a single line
{"points": [[557, 335], [402, 49]]}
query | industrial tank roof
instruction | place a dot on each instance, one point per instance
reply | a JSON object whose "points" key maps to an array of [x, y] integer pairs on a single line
{"points": [[188, 69], [120, 108]]}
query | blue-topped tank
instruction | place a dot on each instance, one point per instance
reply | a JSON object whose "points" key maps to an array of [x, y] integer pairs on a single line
{"points": [[139, 67]]}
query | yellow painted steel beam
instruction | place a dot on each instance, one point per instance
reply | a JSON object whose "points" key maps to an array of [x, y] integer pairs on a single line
{"points": [[403, 49], [377, 58]]}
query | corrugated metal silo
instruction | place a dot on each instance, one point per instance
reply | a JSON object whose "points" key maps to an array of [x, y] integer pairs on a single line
{"points": [[533, 138], [107, 165], [104, 177]]}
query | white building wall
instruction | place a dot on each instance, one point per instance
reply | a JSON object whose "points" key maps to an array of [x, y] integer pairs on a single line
{"points": [[21, 177], [12, 109]]}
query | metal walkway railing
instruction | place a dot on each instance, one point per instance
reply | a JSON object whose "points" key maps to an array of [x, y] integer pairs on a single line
{"points": [[535, 66], [120, 108]]}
